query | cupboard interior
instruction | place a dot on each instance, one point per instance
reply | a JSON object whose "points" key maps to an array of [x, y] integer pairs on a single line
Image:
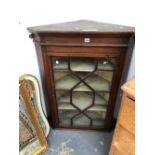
{"points": [[82, 87]]}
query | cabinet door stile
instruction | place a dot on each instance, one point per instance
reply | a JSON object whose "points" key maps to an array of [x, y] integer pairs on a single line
{"points": [[111, 105], [50, 90], [116, 84]]}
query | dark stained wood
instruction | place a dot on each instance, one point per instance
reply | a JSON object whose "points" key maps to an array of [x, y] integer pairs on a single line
{"points": [[76, 38], [90, 50], [83, 26], [51, 91], [80, 40], [42, 69], [114, 89], [83, 45], [67, 40], [42, 62]]}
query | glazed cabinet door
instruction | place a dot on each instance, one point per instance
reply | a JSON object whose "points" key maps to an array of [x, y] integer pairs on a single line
{"points": [[83, 87]]}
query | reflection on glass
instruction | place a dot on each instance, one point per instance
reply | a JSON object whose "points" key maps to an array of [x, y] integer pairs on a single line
{"points": [[106, 63], [60, 63]]}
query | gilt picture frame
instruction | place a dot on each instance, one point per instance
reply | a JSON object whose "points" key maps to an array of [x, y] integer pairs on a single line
{"points": [[30, 103]]}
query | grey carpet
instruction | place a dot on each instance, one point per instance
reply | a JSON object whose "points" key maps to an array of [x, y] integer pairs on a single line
{"points": [[78, 142]]}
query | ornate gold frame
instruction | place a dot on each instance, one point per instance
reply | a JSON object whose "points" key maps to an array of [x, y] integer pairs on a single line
{"points": [[25, 90]]}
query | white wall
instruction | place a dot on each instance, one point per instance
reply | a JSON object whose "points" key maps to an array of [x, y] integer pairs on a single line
{"points": [[131, 72], [36, 12]]}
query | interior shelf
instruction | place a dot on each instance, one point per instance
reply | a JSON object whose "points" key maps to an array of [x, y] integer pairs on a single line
{"points": [[96, 123], [85, 65], [97, 82], [82, 99], [69, 113], [66, 83], [82, 120], [70, 107]]}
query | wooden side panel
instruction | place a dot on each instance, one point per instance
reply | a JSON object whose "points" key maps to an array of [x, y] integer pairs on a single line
{"points": [[127, 114], [124, 136], [46, 81], [40, 57], [115, 150]]}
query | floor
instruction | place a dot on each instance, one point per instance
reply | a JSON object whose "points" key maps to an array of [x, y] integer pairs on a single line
{"points": [[70, 142]]}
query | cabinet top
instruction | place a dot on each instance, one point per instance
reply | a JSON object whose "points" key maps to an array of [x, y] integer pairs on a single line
{"points": [[82, 26]]}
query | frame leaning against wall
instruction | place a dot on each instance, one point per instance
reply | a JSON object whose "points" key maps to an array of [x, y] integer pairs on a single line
{"points": [[28, 86]]}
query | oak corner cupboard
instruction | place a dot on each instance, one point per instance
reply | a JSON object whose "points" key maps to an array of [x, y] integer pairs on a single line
{"points": [[81, 65]]}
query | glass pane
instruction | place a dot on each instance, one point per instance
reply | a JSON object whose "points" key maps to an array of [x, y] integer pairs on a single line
{"points": [[106, 63], [81, 120], [101, 98], [82, 64], [96, 114], [60, 62], [83, 87], [98, 123], [63, 96], [65, 117], [64, 80], [82, 99], [100, 81]]}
